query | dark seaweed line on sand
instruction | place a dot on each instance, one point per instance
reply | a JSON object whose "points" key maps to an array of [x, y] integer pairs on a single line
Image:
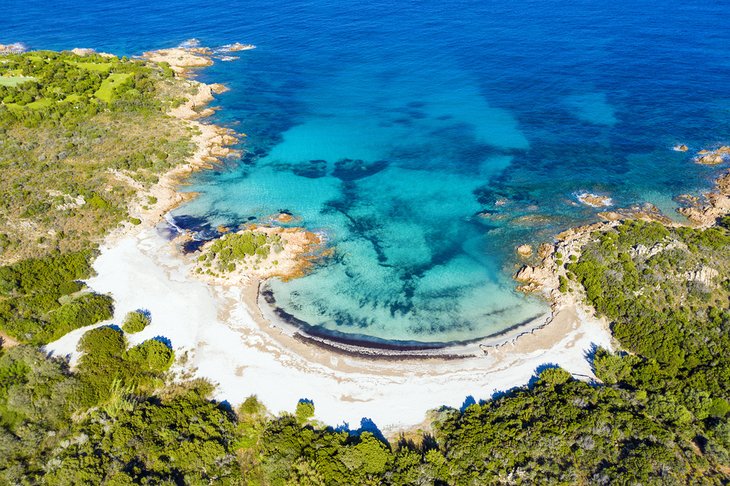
{"points": [[357, 345]]}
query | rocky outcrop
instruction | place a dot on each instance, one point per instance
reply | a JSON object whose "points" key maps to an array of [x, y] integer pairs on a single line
{"points": [[715, 205], [535, 278], [546, 250], [235, 47], [704, 275], [645, 212], [594, 200], [646, 252], [181, 59], [714, 157], [524, 250], [680, 148], [15, 48]]}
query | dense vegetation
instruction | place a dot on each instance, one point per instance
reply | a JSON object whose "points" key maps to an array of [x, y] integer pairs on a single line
{"points": [[667, 292], [45, 410], [41, 299], [78, 136]]}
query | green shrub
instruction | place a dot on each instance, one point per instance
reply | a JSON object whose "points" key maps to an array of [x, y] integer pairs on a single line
{"points": [[135, 321], [152, 355], [83, 311], [102, 342], [563, 284]]}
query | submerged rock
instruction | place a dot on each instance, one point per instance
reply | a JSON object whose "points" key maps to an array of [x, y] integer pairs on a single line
{"points": [[353, 169], [284, 217], [313, 169], [594, 200]]}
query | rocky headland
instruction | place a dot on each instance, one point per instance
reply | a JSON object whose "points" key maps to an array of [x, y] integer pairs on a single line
{"points": [[14, 48]]}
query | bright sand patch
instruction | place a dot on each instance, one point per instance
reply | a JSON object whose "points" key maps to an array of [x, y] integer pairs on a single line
{"points": [[228, 342]]}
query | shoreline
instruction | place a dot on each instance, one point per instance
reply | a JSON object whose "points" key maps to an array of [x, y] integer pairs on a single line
{"points": [[363, 346], [221, 333], [210, 145]]}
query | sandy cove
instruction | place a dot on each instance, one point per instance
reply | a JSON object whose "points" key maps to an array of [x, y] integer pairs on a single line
{"points": [[220, 332]]}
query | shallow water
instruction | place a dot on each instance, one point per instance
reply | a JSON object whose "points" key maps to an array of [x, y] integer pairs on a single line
{"points": [[390, 129]]}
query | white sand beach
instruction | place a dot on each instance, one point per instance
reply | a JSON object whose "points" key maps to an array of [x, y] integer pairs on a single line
{"points": [[227, 343]]}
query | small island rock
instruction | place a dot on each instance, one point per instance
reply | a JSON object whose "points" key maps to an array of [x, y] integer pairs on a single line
{"points": [[524, 250]]}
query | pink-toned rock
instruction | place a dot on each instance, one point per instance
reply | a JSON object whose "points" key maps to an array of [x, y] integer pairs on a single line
{"points": [[610, 216], [15, 48]]}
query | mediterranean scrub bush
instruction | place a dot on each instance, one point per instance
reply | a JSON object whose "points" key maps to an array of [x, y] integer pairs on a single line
{"points": [[136, 321]]}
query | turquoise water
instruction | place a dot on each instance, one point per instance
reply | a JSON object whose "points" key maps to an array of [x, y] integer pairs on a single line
{"points": [[390, 129]]}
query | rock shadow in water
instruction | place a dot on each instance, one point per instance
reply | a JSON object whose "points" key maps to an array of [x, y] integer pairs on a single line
{"points": [[354, 169]]}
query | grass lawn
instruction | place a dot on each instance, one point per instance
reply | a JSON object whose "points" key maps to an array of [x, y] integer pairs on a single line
{"points": [[102, 67], [106, 90], [13, 81], [41, 103], [72, 98]]}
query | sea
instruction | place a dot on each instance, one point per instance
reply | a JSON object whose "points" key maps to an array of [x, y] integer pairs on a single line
{"points": [[427, 140]]}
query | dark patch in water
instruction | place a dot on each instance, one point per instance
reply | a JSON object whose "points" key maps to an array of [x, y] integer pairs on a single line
{"points": [[194, 224], [249, 158], [313, 169], [354, 169], [191, 246]]}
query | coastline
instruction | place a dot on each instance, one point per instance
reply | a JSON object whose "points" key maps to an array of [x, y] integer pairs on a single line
{"points": [[222, 332], [218, 335], [211, 146]]}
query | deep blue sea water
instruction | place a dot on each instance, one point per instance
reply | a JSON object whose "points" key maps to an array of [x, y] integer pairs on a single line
{"points": [[390, 126]]}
